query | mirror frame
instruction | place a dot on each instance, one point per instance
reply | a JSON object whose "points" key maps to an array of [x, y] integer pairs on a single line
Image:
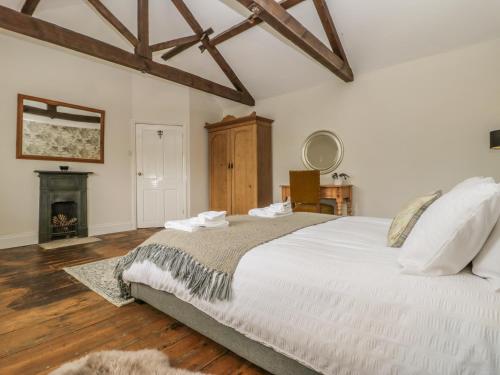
{"points": [[308, 141], [19, 136]]}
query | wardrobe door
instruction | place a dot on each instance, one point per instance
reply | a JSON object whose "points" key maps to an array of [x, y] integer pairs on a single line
{"points": [[220, 174], [244, 169]]}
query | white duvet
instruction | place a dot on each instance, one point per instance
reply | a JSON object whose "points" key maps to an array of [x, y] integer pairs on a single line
{"points": [[331, 297]]}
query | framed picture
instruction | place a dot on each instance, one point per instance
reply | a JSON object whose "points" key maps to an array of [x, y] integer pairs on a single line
{"points": [[53, 130]]}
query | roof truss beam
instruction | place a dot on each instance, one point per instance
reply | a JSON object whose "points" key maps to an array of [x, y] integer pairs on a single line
{"points": [[115, 22], [214, 52], [178, 49], [284, 23], [142, 48], [29, 7], [243, 26], [331, 32], [48, 32], [186, 40]]}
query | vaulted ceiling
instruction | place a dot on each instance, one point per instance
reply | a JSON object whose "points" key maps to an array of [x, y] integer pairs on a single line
{"points": [[375, 34]]}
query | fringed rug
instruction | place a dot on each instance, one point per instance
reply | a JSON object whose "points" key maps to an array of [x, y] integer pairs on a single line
{"points": [[98, 277], [142, 362]]}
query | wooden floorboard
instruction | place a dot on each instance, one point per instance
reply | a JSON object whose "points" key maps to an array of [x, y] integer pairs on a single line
{"points": [[47, 318]]}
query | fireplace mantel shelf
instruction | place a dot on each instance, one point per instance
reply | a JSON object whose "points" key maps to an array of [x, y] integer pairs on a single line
{"points": [[65, 173]]}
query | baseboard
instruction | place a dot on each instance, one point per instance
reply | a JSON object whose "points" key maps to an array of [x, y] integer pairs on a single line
{"points": [[98, 229], [30, 238], [18, 239]]}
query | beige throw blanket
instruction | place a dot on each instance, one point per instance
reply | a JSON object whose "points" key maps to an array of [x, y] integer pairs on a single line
{"points": [[205, 261]]}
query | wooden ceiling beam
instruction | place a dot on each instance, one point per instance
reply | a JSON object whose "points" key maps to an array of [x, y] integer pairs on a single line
{"points": [[283, 22], [29, 7], [329, 27], [142, 48], [216, 55], [177, 50], [35, 28], [115, 22], [186, 40], [250, 22]]}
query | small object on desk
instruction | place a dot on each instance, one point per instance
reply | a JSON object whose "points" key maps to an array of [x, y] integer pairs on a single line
{"points": [[63, 168], [341, 194], [340, 179]]}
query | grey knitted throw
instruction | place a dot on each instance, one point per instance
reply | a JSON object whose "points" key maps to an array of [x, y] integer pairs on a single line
{"points": [[205, 261]]}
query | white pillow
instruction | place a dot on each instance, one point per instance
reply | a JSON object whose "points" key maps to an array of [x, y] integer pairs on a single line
{"points": [[487, 263], [452, 231], [474, 181]]}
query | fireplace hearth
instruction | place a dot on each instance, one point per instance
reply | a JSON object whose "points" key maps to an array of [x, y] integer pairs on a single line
{"points": [[63, 205]]}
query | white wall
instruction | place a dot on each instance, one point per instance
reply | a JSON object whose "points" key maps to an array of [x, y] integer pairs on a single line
{"points": [[407, 129], [128, 97]]}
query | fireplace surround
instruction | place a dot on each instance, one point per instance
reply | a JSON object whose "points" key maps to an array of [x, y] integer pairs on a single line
{"points": [[63, 205]]}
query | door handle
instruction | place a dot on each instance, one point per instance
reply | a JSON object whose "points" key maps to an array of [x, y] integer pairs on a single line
{"points": [[139, 173]]}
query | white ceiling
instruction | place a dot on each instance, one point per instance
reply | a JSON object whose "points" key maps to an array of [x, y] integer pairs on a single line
{"points": [[375, 34]]}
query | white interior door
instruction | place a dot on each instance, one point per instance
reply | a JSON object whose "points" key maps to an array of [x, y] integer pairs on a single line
{"points": [[161, 184]]}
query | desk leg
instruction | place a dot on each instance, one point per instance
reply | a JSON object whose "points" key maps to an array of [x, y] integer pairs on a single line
{"points": [[340, 207], [349, 207], [349, 203]]}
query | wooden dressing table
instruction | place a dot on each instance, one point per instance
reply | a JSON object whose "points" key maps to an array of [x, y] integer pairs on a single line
{"points": [[341, 193]]}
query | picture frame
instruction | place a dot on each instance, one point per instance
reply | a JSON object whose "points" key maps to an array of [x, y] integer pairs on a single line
{"points": [[54, 130]]}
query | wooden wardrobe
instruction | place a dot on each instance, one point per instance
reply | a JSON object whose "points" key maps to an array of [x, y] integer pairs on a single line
{"points": [[240, 154]]}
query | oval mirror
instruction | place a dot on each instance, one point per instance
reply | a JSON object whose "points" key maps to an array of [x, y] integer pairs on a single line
{"points": [[323, 150]]}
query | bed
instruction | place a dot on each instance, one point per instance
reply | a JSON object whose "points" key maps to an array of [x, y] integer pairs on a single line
{"points": [[330, 299]]}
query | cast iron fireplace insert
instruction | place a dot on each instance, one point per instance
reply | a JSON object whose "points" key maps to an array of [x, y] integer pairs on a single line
{"points": [[63, 205]]}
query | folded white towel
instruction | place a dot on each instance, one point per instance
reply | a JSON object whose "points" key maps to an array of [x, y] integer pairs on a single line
{"points": [[186, 225], [215, 224], [284, 207], [212, 216], [266, 212], [194, 224]]}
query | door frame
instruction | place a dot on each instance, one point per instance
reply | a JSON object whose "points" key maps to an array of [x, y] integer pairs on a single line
{"points": [[133, 164]]}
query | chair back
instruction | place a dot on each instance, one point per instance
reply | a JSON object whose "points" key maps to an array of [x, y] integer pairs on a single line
{"points": [[305, 188]]}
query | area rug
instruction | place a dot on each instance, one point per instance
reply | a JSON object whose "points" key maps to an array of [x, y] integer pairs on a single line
{"points": [[98, 276], [67, 242], [143, 362]]}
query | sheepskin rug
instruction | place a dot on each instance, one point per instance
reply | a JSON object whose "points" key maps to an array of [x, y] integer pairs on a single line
{"points": [[115, 362]]}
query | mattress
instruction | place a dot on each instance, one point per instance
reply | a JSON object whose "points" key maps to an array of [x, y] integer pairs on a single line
{"points": [[332, 297]]}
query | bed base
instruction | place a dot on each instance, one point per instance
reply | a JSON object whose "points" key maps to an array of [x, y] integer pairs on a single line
{"points": [[186, 313]]}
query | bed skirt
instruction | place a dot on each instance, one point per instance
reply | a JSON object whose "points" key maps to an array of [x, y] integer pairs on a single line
{"points": [[255, 352]]}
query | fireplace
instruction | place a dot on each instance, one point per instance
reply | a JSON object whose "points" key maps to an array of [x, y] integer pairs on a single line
{"points": [[63, 205]]}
